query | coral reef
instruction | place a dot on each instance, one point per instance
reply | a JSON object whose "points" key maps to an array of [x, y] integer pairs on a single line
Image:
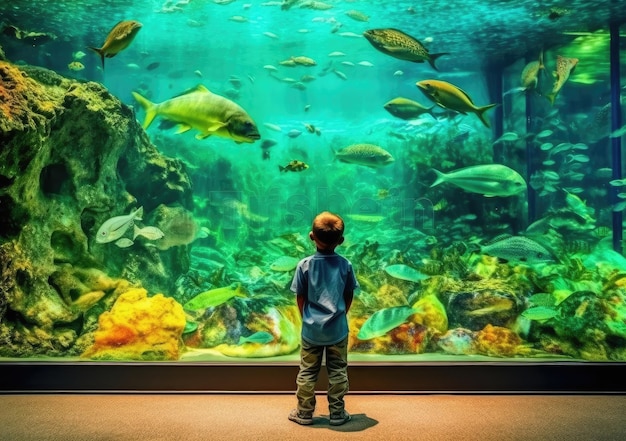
{"points": [[72, 157], [139, 327]]}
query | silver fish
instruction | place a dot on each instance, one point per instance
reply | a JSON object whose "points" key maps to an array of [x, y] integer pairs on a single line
{"points": [[489, 180], [115, 227], [150, 233], [518, 249]]}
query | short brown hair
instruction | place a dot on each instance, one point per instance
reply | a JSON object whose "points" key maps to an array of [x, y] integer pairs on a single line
{"points": [[328, 227]]}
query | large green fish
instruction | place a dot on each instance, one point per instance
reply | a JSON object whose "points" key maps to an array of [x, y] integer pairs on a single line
{"points": [[119, 38], [400, 45], [488, 179], [204, 111]]}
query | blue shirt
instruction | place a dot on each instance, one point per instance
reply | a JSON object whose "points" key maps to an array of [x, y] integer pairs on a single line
{"points": [[322, 279]]}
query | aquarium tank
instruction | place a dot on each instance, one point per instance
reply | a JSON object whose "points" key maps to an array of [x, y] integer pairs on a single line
{"points": [[161, 162]]}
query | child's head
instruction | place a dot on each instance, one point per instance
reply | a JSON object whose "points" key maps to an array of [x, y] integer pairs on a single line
{"points": [[327, 231]]}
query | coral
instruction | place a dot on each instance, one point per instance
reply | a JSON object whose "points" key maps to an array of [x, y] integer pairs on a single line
{"points": [[431, 313], [497, 341], [390, 295], [139, 327]]}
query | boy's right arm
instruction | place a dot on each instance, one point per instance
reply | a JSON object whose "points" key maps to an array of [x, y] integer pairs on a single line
{"points": [[347, 297]]}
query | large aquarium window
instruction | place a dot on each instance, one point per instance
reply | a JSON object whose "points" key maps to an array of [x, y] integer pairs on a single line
{"points": [[161, 162]]}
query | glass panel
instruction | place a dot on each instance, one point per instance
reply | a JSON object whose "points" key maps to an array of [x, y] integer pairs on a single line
{"points": [[159, 177]]}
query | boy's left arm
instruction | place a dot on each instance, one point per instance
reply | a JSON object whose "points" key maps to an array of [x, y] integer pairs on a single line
{"points": [[300, 300]]}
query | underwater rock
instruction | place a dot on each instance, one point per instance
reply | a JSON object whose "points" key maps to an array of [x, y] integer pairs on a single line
{"points": [[72, 157], [457, 341], [139, 327], [229, 332], [474, 309]]}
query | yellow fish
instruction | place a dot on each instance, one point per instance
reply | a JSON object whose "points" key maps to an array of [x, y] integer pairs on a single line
{"points": [[294, 166], [118, 39], [530, 74], [405, 108], [204, 111], [564, 67], [76, 66], [450, 97]]}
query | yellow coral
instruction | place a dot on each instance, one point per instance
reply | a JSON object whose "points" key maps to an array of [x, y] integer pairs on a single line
{"points": [[139, 327], [432, 313], [499, 342]]}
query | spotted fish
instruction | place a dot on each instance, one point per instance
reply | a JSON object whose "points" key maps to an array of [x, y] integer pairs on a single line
{"points": [[564, 67], [400, 45]]}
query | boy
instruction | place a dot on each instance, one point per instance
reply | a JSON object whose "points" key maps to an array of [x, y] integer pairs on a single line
{"points": [[324, 284]]}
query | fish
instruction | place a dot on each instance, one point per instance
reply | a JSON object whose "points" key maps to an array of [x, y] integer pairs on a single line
{"points": [[530, 73], [384, 320], [318, 6], [124, 242], [507, 137], [284, 264], [540, 313], [340, 74], [619, 132], [293, 166], [150, 233], [450, 97], [214, 297], [489, 180], [564, 67], [270, 35], [336, 54], [369, 155], [518, 249], [405, 108], [209, 113], [357, 15], [78, 55], [119, 38], [261, 337], [304, 61], [294, 133], [396, 43], [115, 227], [76, 66], [265, 147], [274, 127], [365, 63], [153, 66], [405, 272]]}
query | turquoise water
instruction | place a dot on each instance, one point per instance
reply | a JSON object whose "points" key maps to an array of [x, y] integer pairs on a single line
{"points": [[451, 251]]}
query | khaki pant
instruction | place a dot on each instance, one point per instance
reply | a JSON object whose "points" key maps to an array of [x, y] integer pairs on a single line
{"points": [[310, 365]]}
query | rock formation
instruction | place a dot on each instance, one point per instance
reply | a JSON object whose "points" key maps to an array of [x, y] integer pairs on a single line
{"points": [[72, 156]]}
